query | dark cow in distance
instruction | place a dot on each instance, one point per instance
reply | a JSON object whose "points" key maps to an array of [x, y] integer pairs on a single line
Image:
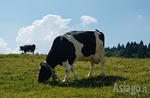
{"points": [[71, 47], [28, 48]]}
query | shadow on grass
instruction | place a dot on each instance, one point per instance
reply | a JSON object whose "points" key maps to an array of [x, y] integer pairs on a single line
{"points": [[91, 82]]}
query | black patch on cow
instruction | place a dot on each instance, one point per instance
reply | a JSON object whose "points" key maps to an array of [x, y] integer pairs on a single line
{"points": [[88, 39], [61, 51], [67, 51]]}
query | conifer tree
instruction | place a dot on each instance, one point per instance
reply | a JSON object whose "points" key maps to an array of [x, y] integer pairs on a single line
{"points": [[149, 47], [128, 50], [140, 53], [148, 50]]}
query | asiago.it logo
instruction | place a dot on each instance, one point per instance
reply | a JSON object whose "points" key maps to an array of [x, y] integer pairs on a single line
{"points": [[125, 88]]}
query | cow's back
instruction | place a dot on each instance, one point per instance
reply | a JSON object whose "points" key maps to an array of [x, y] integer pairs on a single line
{"points": [[29, 47]]}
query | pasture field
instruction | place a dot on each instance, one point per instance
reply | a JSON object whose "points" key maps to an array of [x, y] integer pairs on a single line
{"points": [[124, 78]]}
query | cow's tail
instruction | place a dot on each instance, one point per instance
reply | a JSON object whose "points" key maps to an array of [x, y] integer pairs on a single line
{"points": [[101, 37]]}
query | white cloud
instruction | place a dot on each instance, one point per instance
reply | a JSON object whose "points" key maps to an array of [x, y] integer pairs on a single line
{"points": [[42, 32], [87, 20], [139, 16], [3, 47]]}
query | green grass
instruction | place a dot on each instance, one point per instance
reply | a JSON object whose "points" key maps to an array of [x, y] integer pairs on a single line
{"points": [[19, 73]]}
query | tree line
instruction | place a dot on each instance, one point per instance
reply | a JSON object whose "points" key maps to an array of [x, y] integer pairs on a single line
{"points": [[131, 50]]}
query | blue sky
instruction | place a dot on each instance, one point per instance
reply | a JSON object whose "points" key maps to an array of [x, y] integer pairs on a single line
{"points": [[34, 21]]}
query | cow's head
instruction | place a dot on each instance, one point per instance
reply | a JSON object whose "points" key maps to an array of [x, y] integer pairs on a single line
{"points": [[45, 73], [21, 48]]}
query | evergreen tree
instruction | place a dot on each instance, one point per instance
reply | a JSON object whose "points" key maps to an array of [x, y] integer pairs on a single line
{"points": [[122, 47], [119, 47], [145, 51], [122, 51], [135, 48], [128, 50], [131, 50], [140, 53], [148, 50], [149, 47]]}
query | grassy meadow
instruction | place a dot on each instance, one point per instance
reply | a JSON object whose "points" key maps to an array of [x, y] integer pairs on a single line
{"points": [[124, 78]]}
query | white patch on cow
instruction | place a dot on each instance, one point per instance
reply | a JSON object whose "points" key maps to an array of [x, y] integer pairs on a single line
{"points": [[96, 58], [68, 68]]}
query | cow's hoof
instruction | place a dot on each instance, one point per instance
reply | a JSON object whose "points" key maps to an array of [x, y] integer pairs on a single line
{"points": [[89, 75], [64, 81]]}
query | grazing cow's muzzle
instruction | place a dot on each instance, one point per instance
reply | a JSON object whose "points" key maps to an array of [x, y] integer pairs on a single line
{"points": [[45, 73]]}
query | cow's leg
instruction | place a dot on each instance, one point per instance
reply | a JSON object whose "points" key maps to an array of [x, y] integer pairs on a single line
{"points": [[68, 68], [74, 75], [91, 69], [102, 62]]}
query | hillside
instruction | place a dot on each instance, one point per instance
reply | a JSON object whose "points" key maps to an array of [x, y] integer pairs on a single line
{"points": [[124, 77]]}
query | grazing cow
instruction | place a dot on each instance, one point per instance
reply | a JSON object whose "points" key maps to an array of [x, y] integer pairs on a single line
{"points": [[28, 48], [71, 47]]}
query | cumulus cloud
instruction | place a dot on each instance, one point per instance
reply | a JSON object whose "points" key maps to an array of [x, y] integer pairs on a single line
{"points": [[87, 20], [42, 32], [3, 47]]}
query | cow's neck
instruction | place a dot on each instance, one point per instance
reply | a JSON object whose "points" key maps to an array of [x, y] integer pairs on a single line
{"points": [[53, 59]]}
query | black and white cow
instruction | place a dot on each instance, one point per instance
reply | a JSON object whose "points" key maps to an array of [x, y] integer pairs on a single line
{"points": [[71, 47], [28, 48]]}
